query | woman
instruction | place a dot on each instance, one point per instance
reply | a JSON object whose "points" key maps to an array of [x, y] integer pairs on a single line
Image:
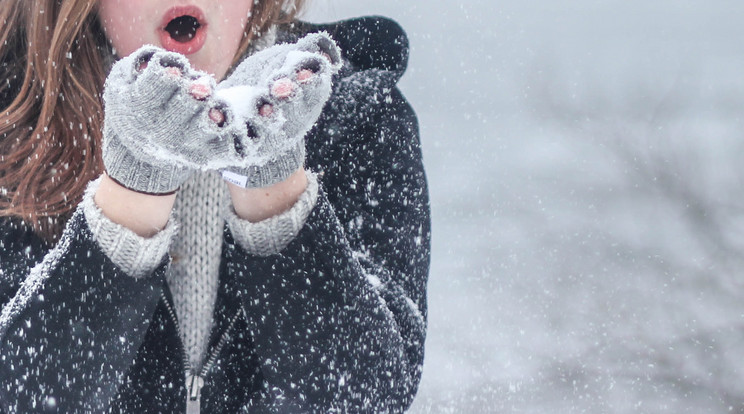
{"points": [[300, 289]]}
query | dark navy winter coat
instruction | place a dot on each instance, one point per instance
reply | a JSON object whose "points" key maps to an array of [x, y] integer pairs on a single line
{"points": [[334, 323]]}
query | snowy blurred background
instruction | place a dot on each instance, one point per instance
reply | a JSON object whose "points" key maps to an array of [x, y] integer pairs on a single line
{"points": [[586, 171]]}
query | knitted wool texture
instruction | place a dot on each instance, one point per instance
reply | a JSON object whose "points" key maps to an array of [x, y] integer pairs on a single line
{"points": [[194, 272], [201, 210], [136, 256], [279, 147], [155, 132]]}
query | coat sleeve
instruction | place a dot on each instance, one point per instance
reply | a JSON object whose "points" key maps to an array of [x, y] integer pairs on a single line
{"points": [[71, 321], [339, 316]]}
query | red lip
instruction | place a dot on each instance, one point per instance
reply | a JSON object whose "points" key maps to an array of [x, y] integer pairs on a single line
{"points": [[196, 42]]}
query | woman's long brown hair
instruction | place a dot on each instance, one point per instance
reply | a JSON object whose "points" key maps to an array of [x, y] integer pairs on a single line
{"points": [[52, 69]]}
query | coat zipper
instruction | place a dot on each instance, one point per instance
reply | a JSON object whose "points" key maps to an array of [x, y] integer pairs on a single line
{"points": [[194, 380]]}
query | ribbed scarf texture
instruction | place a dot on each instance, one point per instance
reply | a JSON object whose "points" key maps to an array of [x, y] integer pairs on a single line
{"points": [[194, 273]]}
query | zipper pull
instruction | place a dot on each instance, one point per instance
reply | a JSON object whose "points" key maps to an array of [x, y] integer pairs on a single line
{"points": [[194, 384]]}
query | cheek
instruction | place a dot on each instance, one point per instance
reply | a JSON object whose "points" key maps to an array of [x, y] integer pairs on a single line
{"points": [[124, 25], [233, 19]]}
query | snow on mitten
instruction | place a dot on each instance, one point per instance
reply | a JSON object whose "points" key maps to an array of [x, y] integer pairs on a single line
{"points": [[278, 93], [162, 122]]}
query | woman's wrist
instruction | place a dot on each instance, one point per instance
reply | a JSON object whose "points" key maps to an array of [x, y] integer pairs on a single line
{"points": [[144, 214], [258, 204]]}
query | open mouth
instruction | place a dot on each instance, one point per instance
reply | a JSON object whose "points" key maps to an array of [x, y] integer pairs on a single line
{"points": [[183, 30]]}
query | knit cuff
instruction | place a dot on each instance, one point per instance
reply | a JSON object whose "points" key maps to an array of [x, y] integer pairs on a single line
{"points": [[274, 171], [272, 235], [136, 174], [137, 256]]}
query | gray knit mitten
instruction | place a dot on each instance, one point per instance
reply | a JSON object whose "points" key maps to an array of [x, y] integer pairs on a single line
{"points": [[278, 93], [160, 122]]}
